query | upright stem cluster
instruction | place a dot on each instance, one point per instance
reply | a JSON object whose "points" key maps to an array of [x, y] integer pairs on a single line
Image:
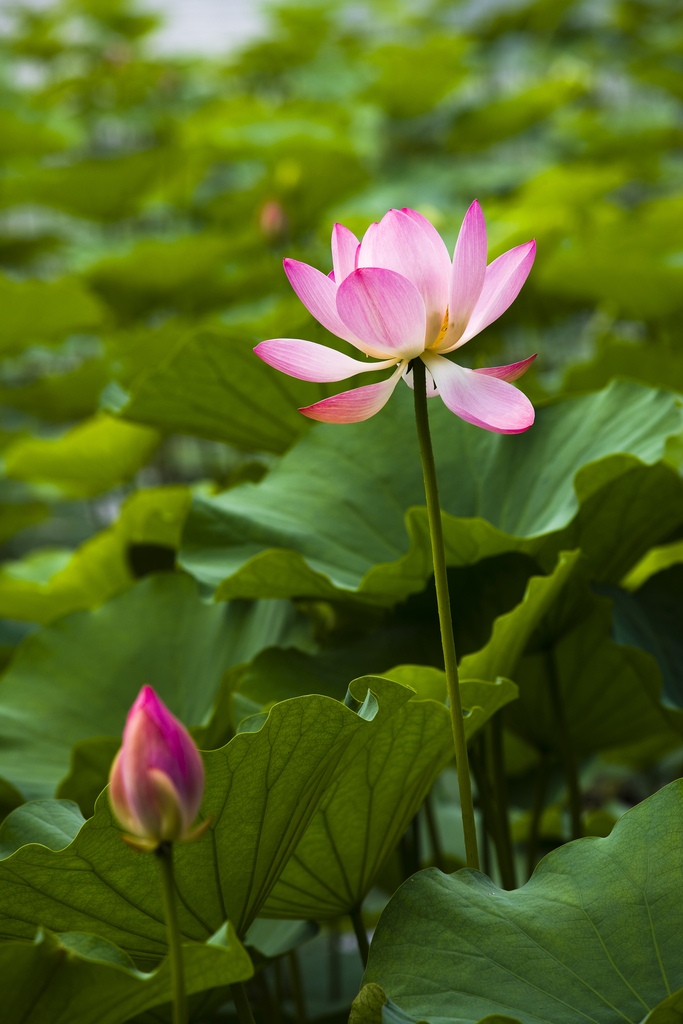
{"points": [[444, 605]]}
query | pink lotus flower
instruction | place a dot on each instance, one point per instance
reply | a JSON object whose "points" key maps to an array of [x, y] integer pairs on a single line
{"points": [[396, 296], [157, 778]]}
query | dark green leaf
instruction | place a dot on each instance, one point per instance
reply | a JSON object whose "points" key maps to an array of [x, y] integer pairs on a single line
{"points": [[650, 619], [78, 678], [262, 790], [363, 816], [593, 935], [336, 517], [52, 823], [76, 978]]}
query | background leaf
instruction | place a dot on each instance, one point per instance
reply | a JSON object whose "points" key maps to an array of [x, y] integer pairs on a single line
{"points": [[91, 458], [330, 519], [78, 678]]}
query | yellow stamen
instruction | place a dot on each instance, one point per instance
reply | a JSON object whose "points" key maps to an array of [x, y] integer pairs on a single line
{"points": [[442, 332]]}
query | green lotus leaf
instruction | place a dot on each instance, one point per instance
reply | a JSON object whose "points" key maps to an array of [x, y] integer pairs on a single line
{"points": [[92, 457], [77, 678], [611, 694], [363, 816], [669, 1011], [39, 311], [593, 934], [212, 385], [650, 619], [262, 790], [52, 823], [77, 978], [50, 583], [337, 517]]}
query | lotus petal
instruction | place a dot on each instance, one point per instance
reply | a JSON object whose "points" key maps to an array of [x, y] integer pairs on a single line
{"points": [[486, 401]]}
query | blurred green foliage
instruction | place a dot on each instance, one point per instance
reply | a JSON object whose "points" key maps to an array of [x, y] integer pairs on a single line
{"points": [[146, 203]]}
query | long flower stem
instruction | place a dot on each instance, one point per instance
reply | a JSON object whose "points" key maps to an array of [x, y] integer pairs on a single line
{"points": [[444, 605], [164, 855]]}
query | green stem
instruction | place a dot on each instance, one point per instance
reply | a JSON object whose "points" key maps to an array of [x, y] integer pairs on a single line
{"points": [[433, 827], [488, 812], [164, 853], [536, 816], [500, 792], [566, 749], [279, 993], [239, 998], [296, 986], [444, 605], [487, 806], [334, 962], [361, 934]]}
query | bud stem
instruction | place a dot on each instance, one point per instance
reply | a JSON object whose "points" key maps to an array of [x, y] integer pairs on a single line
{"points": [[164, 853], [444, 605]]}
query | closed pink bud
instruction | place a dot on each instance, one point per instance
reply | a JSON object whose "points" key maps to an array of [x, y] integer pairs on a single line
{"points": [[157, 778], [273, 220]]}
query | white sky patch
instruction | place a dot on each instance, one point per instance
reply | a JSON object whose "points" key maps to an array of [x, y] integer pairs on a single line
{"points": [[210, 27]]}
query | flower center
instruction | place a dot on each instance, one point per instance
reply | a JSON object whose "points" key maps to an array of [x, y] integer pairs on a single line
{"points": [[442, 332]]}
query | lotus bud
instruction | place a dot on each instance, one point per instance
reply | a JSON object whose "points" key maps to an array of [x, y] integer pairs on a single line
{"points": [[273, 220], [156, 782]]}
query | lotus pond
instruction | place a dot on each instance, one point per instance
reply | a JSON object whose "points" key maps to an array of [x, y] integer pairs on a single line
{"points": [[427, 636]]}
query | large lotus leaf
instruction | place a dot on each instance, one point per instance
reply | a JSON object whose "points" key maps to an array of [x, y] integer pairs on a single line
{"points": [[104, 189], [47, 584], [61, 398], [611, 694], [651, 619], [336, 516], [412, 79], [92, 457], [77, 978], [511, 632], [78, 677], [475, 129], [186, 273], [657, 365], [45, 311], [594, 934], [262, 789], [91, 762], [212, 385], [21, 137], [52, 823], [669, 1011], [560, 630], [410, 632], [374, 641], [363, 816], [658, 558], [623, 509], [645, 282]]}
